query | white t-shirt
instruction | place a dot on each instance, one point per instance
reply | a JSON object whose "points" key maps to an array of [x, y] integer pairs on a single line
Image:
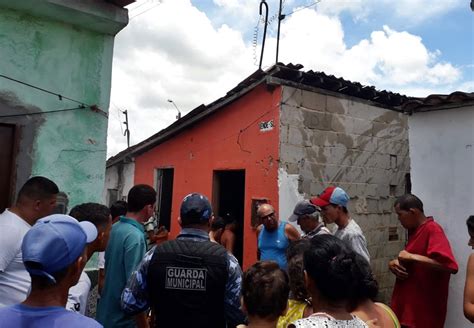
{"points": [[78, 294], [101, 260], [353, 235], [15, 281]]}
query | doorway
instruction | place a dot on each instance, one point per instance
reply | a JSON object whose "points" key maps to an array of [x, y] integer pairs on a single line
{"points": [[228, 196], [164, 196], [7, 146]]}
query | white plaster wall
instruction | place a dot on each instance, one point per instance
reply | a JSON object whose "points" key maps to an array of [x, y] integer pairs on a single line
{"points": [[288, 194], [442, 171], [128, 177], [123, 183]]}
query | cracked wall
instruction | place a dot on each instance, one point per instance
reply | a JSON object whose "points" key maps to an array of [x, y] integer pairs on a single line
{"points": [[328, 139]]}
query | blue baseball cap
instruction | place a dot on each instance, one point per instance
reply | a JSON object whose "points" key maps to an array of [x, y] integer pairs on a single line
{"points": [[54, 243], [331, 195], [195, 208]]}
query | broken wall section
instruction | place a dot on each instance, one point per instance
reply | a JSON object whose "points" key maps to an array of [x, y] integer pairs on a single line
{"points": [[334, 139]]}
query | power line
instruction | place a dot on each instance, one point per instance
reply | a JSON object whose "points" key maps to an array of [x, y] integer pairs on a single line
{"points": [[46, 112], [82, 104], [299, 9], [152, 7]]}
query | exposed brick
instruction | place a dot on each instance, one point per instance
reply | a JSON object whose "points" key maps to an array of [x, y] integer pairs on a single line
{"points": [[323, 138], [316, 120], [284, 133], [335, 105], [296, 136], [291, 96], [365, 143], [291, 153], [361, 127], [339, 123], [290, 116], [382, 130], [313, 100]]}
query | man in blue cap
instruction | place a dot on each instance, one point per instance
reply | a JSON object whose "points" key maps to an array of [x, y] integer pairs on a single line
{"points": [[53, 254], [190, 281]]}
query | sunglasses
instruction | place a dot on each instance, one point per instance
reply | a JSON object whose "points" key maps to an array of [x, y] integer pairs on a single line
{"points": [[268, 216]]}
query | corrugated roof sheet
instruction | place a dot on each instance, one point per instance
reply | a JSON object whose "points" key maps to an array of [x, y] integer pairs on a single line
{"points": [[438, 102]]}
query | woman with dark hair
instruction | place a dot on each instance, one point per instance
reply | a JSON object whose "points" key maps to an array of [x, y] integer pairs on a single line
{"points": [[364, 303], [299, 302], [264, 294], [330, 273], [469, 286]]}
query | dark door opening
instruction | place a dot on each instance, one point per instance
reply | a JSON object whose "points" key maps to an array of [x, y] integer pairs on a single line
{"points": [[228, 196], [164, 196], [7, 144]]}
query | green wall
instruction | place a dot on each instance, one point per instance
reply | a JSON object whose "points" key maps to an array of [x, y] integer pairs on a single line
{"points": [[69, 147]]}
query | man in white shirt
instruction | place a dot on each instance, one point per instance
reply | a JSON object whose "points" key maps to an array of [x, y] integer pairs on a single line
{"points": [[333, 204], [99, 215], [36, 199]]}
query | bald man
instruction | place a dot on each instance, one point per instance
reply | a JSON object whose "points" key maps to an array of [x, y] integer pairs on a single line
{"points": [[274, 236]]}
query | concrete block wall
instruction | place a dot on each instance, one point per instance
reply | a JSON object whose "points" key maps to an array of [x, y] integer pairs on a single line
{"points": [[331, 139]]}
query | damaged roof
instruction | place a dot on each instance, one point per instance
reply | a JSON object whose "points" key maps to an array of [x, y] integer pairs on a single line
{"points": [[279, 74], [439, 102]]}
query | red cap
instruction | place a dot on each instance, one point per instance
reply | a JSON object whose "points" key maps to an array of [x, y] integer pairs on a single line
{"points": [[323, 198], [331, 195]]}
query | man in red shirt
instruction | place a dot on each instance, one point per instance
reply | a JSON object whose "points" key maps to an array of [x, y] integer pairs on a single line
{"points": [[422, 269]]}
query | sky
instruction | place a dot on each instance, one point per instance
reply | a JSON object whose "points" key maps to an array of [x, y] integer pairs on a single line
{"points": [[193, 52]]}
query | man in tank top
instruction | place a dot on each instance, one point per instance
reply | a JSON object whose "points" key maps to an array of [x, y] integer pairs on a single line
{"points": [[274, 236]]}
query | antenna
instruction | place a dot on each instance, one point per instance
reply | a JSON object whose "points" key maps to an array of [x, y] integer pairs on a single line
{"points": [[280, 18], [127, 131], [263, 4]]}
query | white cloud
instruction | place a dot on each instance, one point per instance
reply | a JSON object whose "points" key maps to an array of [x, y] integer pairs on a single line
{"points": [[411, 12], [191, 60]]}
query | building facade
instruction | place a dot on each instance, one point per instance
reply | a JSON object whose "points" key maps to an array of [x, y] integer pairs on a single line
{"points": [[55, 84], [441, 133]]}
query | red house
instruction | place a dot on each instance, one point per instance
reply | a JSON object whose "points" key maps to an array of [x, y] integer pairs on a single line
{"points": [[278, 136]]}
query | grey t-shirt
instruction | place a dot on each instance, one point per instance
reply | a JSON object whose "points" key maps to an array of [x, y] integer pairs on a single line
{"points": [[352, 234]]}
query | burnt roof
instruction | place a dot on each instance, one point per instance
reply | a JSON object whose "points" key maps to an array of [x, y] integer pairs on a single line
{"points": [[439, 102], [279, 74]]}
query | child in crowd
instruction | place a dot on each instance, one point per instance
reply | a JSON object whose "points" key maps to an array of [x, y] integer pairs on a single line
{"points": [[330, 268], [299, 303], [469, 286], [265, 290], [366, 291]]}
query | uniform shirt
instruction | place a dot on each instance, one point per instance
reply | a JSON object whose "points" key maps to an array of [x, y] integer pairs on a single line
{"points": [[78, 294], [273, 244], [352, 234], [421, 299], [124, 252], [14, 279], [135, 296], [39, 317]]}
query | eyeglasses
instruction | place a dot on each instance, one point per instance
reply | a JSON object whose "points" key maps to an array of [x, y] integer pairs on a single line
{"points": [[271, 215]]}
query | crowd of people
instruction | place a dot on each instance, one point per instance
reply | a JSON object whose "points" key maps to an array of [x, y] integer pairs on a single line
{"points": [[317, 278]]}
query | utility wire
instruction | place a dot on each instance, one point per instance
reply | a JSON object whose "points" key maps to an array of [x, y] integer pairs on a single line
{"points": [[152, 7], [94, 108], [136, 7], [46, 112], [299, 9]]}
